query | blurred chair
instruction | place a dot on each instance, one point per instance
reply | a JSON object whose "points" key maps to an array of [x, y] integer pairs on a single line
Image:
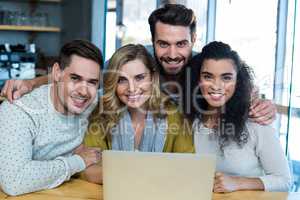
{"points": [[295, 168], [294, 164]]}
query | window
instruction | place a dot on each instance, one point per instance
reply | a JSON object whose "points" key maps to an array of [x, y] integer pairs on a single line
{"points": [[111, 29], [250, 28], [135, 19], [289, 124]]}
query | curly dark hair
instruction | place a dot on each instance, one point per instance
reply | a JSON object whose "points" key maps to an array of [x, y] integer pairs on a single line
{"points": [[235, 111]]}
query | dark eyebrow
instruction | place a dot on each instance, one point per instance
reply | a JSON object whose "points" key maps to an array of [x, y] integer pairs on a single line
{"points": [[80, 77], [182, 41], [76, 75], [206, 73], [94, 80], [227, 74], [162, 41]]}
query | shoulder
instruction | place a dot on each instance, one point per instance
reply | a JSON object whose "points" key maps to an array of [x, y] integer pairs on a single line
{"points": [[14, 121], [36, 101], [26, 111], [96, 134], [10, 111], [257, 129], [261, 133]]}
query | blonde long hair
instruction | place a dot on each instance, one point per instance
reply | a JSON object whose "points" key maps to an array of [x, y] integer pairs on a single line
{"points": [[110, 107]]}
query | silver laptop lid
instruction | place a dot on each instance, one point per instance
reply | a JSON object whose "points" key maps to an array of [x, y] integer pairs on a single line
{"points": [[157, 176]]}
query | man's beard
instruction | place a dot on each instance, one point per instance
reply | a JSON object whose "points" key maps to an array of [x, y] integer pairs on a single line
{"points": [[168, 59], [161, 68]]}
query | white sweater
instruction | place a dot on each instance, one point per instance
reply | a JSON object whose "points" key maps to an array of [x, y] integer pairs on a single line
{"points": [[37, 142], [260, 157]]}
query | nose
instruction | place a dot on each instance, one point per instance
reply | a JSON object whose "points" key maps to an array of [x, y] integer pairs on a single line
{"points": [[217, 84], [83, 89], [131, 86], [172, 51]]}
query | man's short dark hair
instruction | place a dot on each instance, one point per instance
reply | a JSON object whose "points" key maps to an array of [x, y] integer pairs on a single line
{"points": [[80, 48], [173, 14]]}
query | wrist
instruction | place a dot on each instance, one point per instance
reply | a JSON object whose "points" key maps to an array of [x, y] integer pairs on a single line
{"points": [[244, 183], [32, 84], [240, 184]]}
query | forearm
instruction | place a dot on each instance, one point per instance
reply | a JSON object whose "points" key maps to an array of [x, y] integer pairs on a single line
{"points": [[273, 160], [244, 183], [41, 80], [33, 176], [37, 175], [94, 174]]}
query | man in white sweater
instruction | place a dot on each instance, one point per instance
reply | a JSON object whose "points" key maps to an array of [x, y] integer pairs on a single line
{"points": [[41, 133]]}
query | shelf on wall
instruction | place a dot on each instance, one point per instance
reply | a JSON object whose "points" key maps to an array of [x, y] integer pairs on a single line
{"points": [[58, 1], [37, 1], [29, 28]]}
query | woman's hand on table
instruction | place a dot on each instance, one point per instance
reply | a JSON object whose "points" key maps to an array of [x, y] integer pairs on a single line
{"points": [[225, 183]]}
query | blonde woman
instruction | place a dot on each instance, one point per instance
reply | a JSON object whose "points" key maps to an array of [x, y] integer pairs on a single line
{"points": [[133, 114]]}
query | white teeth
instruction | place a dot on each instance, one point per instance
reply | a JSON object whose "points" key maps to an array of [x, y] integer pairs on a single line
{"points": [[174, 63], [216, 94], [133, 97], [79, 99]]}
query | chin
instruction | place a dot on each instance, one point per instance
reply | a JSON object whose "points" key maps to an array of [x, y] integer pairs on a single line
{"points": [[137, 105], [173, 71], [216, 105], [134, 106], [76, 111]]}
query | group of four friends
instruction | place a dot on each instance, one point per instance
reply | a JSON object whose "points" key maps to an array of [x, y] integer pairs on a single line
{"points": [[174, 101]]}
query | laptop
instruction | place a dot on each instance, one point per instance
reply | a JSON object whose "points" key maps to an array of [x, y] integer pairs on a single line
{"points": [[157, 176]]}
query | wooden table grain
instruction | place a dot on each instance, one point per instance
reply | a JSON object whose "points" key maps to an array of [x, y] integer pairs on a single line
{"points": [[257, 195], [73, 190], [81, 190]]}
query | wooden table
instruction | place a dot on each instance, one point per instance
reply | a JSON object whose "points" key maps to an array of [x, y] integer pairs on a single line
{"points": [[82, 190], [73, 190]]}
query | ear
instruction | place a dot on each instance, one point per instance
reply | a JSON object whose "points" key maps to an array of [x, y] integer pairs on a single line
{"points": [[56, 72], [194, 37]]}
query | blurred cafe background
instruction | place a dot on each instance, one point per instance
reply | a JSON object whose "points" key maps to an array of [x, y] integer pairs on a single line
{"points": [[265, 33]]}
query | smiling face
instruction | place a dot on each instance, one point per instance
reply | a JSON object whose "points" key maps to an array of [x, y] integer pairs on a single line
{"points": [[75, 87], [173, 46], [134, 84], [217, 81]]}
